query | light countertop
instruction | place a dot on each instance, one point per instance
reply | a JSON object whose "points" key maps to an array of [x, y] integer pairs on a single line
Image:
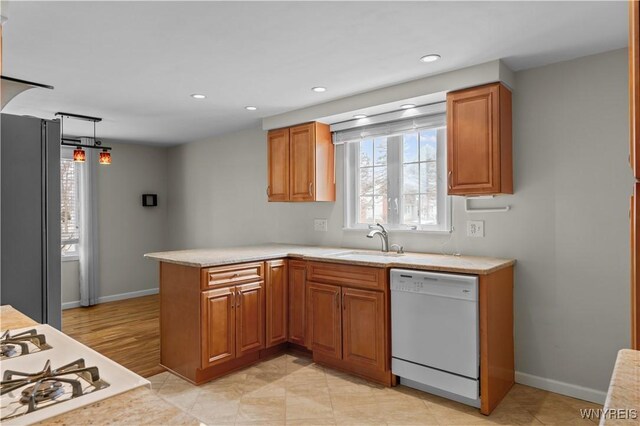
{"points": [[205, 258], [624, 389], [138, 406]]}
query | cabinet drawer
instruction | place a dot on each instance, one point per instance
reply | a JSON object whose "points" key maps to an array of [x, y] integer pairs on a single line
{"points": [[349, 275], [233, 274]]}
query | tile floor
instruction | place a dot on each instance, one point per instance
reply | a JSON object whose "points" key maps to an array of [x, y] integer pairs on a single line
{"points": [[293, 390]]}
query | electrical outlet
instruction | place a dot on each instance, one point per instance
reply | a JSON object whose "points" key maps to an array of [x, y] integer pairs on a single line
{"points": [[320, 225], [475, 228]]}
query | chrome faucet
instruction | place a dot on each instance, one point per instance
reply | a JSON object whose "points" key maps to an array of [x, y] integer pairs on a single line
{"points": [[384, 236]]}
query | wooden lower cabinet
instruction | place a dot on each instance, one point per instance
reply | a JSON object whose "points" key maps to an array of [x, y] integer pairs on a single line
{"points": [[349, 329], [297, 302], [249, 318], [343, 321], [325, 322], [218, 326], [363, 328], [232, 323], [276, 288]]}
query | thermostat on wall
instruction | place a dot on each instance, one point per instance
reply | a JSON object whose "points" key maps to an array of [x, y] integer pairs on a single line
{"points": [[149, 200]]}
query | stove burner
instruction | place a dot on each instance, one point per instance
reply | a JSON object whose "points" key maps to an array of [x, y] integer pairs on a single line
{"points": [[28, 341], [7, 351], [49, 386], [46, 390]]}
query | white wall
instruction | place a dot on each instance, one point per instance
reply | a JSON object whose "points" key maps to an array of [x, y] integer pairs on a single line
{"points": [[126, 230], [568, 227], [70, 283], [218, 193]]}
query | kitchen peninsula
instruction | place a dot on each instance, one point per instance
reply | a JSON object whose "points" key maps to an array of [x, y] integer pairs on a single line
{"points": [[223, 309]]}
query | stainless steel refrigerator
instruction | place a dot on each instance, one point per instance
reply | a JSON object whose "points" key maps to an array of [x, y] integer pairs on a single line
{"points": [[30, 217]]}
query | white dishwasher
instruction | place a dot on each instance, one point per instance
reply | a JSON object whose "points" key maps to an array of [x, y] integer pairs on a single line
{"points": [[434, 333]]}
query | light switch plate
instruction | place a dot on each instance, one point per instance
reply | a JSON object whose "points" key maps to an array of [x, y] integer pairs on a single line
{"points": [[320, 225], [475, 228]]}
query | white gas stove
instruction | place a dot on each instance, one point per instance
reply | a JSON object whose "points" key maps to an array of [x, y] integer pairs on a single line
{"points": [[46, 373]]}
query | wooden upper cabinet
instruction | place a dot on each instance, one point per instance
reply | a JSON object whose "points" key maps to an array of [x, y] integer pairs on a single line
{"points": [[278, 167], [479, 141], [634, 87], [218, 326], [249, 318], [324, 317], [297, 300], [309, 174], [363, 339], [303, 162], [276, 287]]}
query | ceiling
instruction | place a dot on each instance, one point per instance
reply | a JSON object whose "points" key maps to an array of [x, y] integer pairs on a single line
{"points": [[135, 63]]}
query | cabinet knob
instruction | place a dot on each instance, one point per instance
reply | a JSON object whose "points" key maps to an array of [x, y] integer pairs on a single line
{"points": [[268, 190], [310, 188], [449, 179]]}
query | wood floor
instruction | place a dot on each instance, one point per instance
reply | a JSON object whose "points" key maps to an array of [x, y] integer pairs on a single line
{"points": [[127, 331]]}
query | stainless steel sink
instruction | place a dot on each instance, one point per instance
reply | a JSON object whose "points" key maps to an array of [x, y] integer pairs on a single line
{"points": [[367, 256]]}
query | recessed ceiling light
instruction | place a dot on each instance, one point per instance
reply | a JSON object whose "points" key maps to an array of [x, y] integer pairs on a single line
{"points": [[407, 106], [358, 116], [250, 108], [198, 96], [430, 58], [319, 89]]}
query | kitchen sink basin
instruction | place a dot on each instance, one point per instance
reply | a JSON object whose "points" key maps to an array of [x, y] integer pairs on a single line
{"points": [[367, 256]]}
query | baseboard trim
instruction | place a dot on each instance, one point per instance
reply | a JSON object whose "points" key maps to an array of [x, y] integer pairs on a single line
{"points": [[115, 297], [70, 305], [563, 388]]}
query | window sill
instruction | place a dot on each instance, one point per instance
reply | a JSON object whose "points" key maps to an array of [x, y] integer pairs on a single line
{"points": [[404, 231], [72, 258]]}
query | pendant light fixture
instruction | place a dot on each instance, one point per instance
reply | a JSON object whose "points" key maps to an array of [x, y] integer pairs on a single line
{"points": [[79, 154], [105, 157]]}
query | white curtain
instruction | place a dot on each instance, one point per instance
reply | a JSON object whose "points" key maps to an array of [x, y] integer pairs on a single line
{"points": [[88, 247]]}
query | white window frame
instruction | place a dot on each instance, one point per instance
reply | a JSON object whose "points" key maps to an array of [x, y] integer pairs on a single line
{"points": [[394, 191], [67, 154]]}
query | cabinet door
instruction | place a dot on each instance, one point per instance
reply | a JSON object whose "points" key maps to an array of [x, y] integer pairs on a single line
{"points": [[218, 326], [249, 318], [297, 300], [473, 145], [302, 165], [276, 294], [325, 323], [363, 327], [278, 165]]}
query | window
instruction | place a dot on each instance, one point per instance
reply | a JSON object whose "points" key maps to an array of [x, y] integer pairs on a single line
{"points": [[69, 214], [398, 180]]}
